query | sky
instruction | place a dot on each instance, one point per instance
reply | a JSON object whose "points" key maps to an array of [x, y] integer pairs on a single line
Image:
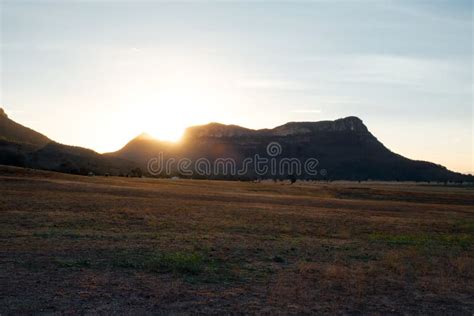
{"points": [[98, 73]]}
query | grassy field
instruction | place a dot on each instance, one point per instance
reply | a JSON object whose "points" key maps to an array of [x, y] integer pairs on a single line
{"points": [[73, 244]]}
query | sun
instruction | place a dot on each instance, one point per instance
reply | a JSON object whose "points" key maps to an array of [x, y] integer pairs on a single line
{"points": [[171, 112], [170, 135], [163, 99], [167, 131], [165, 114]]}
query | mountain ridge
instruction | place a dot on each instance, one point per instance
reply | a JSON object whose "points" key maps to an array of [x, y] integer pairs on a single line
{"points": [[23, 147], [15, 132], [215, 129], [344, 148]]}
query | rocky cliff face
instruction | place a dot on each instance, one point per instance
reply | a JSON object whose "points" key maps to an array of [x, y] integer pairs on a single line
{"points": [[348, 124], [216, 130]]}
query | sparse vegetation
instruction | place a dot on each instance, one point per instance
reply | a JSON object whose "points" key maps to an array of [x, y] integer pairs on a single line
{"points": [[74, 244]]}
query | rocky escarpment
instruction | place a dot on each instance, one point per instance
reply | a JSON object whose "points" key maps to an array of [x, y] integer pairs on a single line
{"points": [[216, 130], [348, 124]]}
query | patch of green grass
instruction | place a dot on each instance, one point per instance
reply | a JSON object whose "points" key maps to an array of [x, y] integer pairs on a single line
{"points": [[463, 241], [465, 226], [395, 239], [363, 257], [57, 233], [65, 233], [196, 266], [177, 262], [72, 263]]}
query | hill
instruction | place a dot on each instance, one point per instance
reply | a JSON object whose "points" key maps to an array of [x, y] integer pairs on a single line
{"points": [[14, 132], [24, 147], [344, 149]]}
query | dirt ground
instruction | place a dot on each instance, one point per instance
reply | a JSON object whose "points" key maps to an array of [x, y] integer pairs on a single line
{"points": [[87, 245]]}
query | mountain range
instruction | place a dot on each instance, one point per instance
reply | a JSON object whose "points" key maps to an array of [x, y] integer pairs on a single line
{"points": [[24, 147], [343, 149]]}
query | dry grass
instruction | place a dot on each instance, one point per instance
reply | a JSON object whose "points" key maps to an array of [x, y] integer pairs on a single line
{"points": [[103, 245]]}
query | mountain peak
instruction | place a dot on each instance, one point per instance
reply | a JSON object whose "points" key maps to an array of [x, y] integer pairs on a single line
{"points": [[17, 133], [354, 119], [352, 123], [144, 136], [2, 113]]}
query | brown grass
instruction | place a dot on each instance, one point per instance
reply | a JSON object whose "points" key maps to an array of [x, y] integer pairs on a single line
{"points": [[117, 245]]}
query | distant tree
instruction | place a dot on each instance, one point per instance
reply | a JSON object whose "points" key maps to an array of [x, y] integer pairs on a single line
{"points": [[137, 172], [292, 179], [83, 171]]}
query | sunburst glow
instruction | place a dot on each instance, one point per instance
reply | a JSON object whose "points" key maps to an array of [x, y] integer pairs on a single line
{"points": [[167, 99]]}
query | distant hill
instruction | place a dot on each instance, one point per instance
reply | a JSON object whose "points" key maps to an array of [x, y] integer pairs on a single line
{"points": [[24, 147], [14, 132], [344, 148]]}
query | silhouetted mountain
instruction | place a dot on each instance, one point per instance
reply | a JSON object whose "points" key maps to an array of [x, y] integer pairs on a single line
{"points": [[344, 148], [141, 148], [23, 147], [14, 132]]}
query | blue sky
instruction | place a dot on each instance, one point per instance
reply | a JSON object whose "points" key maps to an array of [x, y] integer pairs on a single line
{"points": [[97, 73]]}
